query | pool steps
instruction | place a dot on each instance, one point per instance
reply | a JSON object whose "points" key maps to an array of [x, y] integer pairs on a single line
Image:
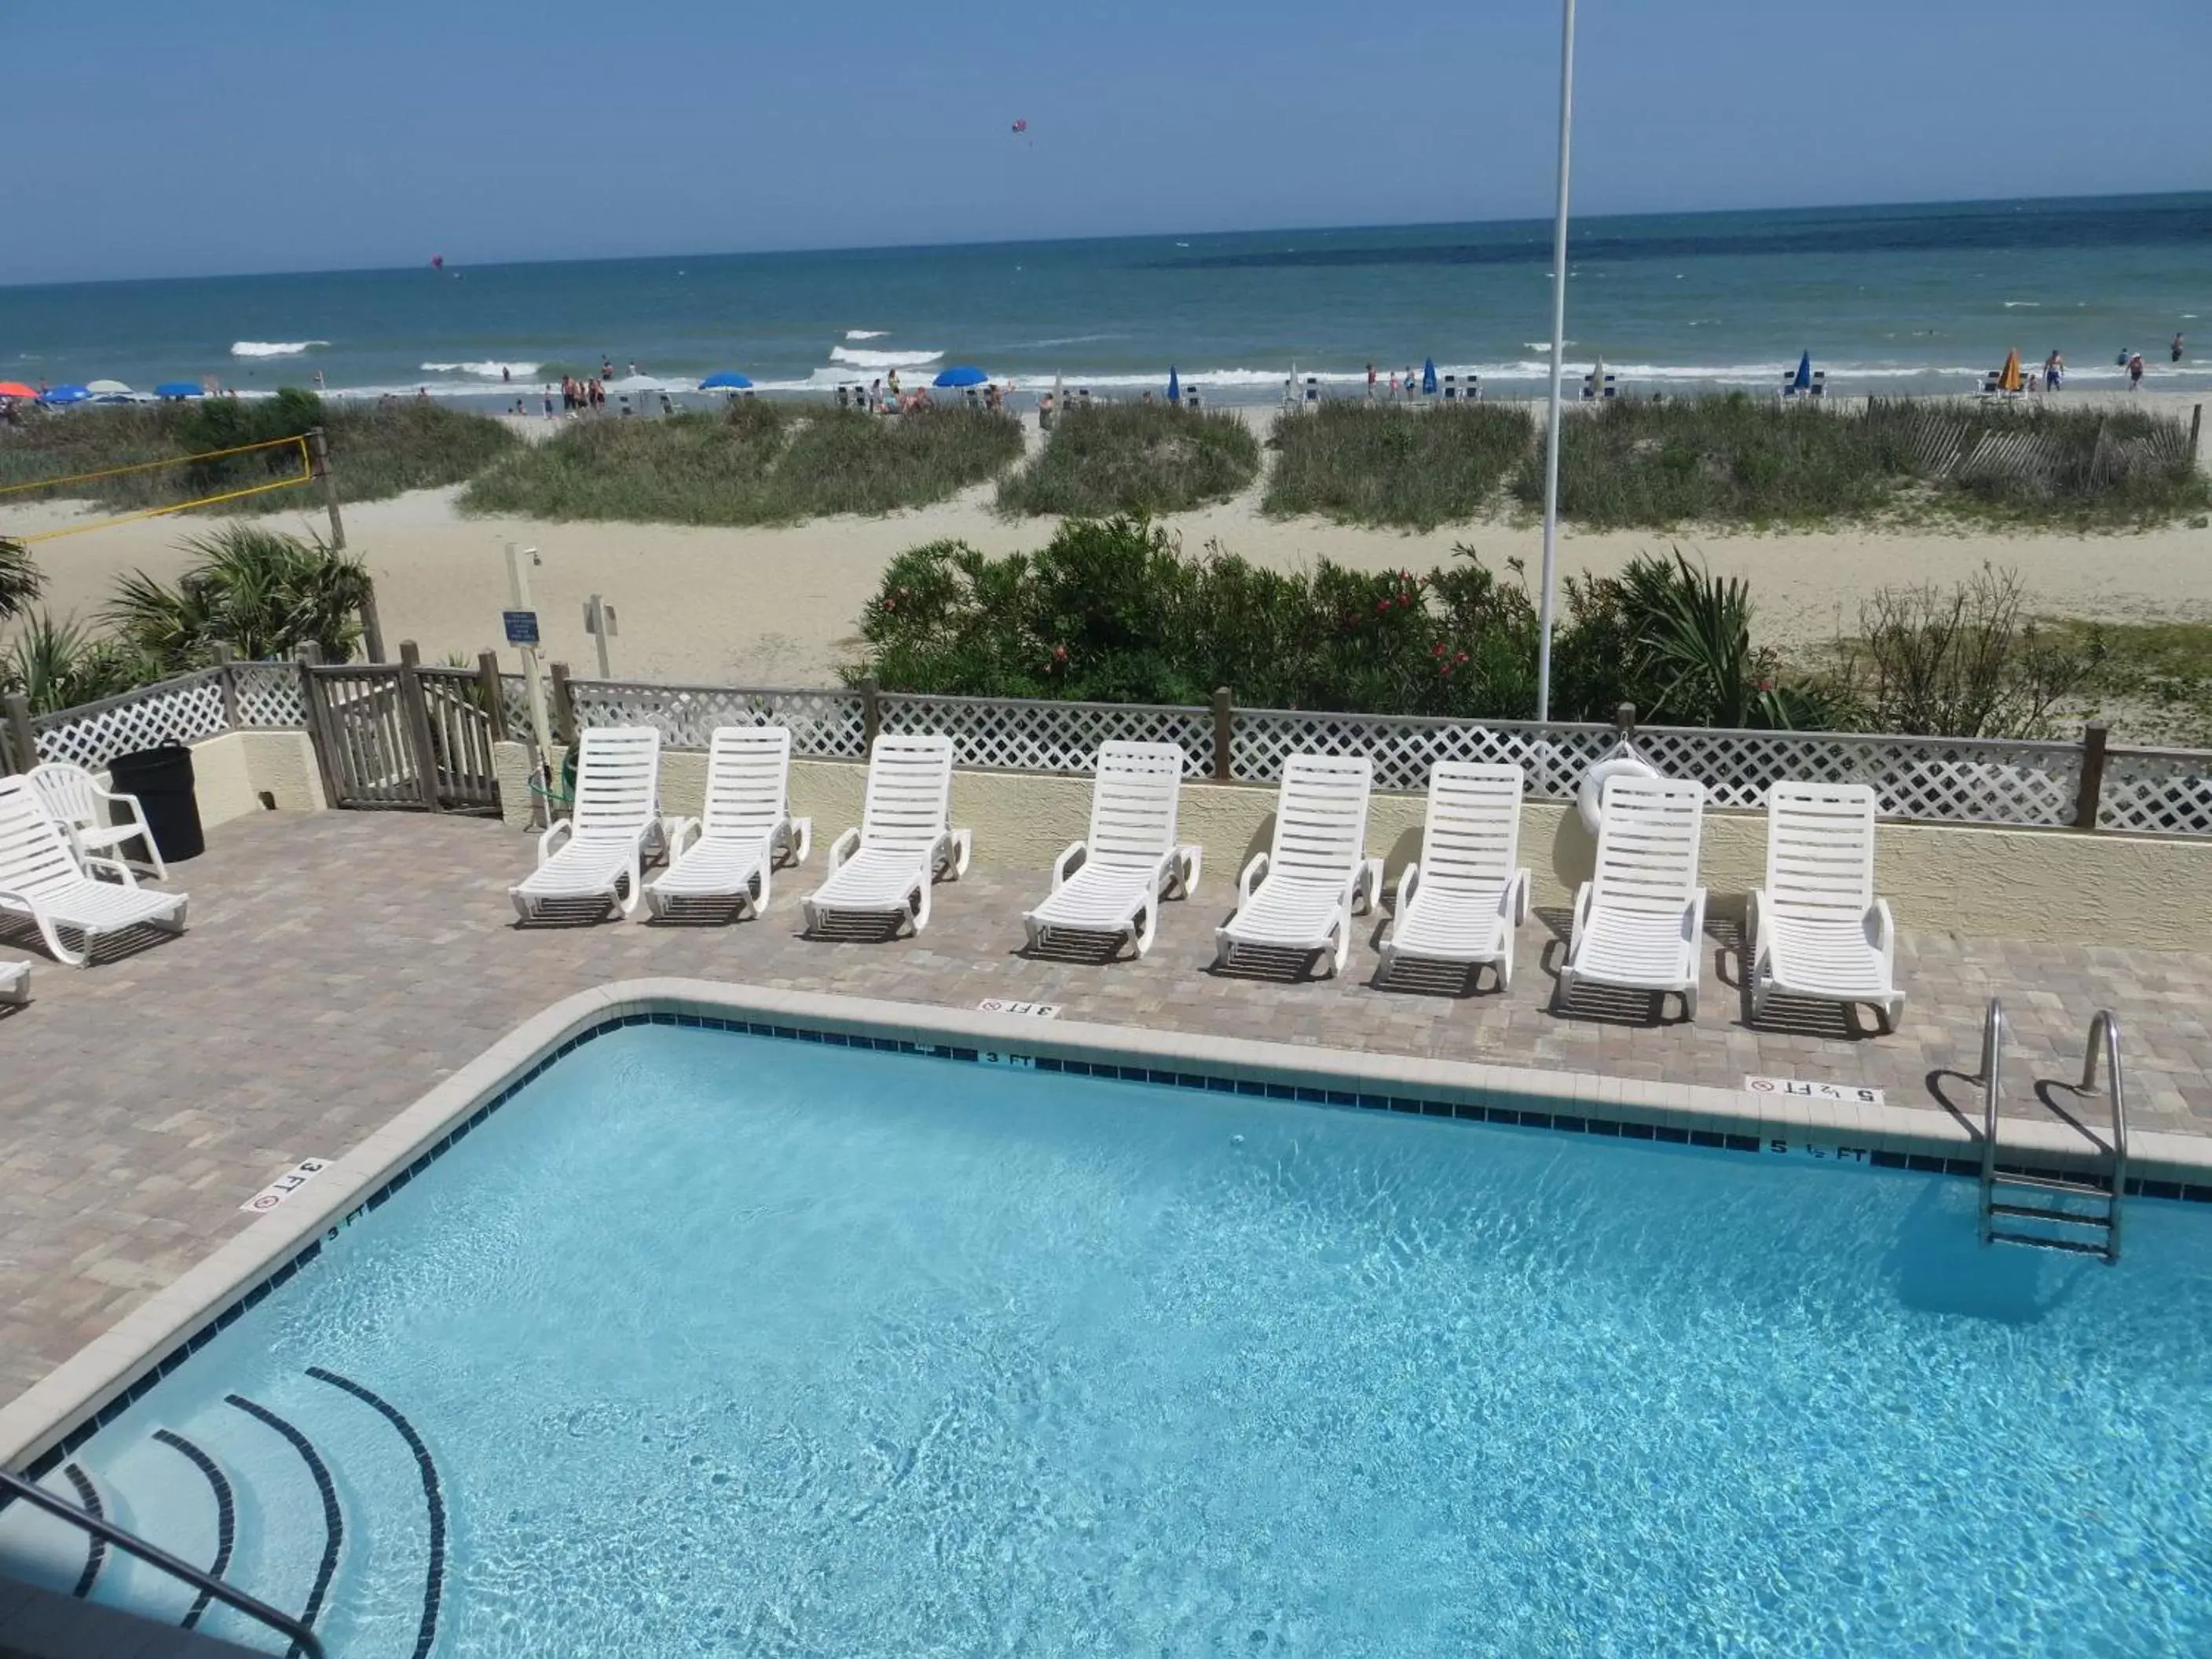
{"points": [[295, 1504]]}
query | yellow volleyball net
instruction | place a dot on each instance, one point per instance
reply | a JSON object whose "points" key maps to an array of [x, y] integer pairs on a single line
{"points": [[290, 481]]}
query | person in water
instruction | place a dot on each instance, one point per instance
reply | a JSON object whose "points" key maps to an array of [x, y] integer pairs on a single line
{"points": [[2135, 372], [2177, 343]]}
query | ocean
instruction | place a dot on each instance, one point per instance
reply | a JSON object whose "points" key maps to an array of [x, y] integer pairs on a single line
{"points": [[1922, 298]]}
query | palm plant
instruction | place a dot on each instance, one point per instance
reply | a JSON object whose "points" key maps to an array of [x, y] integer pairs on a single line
{"points": [[20, 580], [57, 664], [260, 592]]}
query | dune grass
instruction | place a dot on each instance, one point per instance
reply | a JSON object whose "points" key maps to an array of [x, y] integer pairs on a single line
{"points": [[1387, 464], [758, 463], [376, 452], [1112, 459], [1742, 460]]}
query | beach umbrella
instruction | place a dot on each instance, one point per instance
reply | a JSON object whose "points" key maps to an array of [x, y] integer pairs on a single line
{"points": [[16, 389], [960, 375], [1174, 385], [66, 394], [728, 380], [1804, 381], [177, 389], [106, 388], [2009, 377], [1429, 377]]}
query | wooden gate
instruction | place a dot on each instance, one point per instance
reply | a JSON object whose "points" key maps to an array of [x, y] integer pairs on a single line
{"points": [[400, 736]]}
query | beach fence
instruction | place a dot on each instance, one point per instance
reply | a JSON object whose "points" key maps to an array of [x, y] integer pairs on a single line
{"points": [[406, 737]]}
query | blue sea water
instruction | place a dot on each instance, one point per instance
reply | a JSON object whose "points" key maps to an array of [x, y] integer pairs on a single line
{"points": [[722, 1344], [1922, 298]]}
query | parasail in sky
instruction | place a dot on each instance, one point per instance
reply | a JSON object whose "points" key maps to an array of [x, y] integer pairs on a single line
{"points": [[437, 262], [1021, 125]]}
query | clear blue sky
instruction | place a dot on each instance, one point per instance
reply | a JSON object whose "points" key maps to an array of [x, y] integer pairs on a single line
{"points": [[151, 138]]}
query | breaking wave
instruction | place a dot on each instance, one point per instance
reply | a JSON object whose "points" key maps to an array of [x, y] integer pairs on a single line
{"points": [[866, 333], [883, 359], [272, 348], [491, 370]]}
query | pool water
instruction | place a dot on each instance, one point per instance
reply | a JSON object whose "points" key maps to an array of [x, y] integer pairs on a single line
{"points": [[727, 1343]]}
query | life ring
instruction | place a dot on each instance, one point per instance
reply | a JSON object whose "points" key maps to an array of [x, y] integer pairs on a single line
{"points": [[1623, 763]]}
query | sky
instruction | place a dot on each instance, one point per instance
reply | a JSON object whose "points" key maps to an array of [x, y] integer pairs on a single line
{"points": [[153, 139]]}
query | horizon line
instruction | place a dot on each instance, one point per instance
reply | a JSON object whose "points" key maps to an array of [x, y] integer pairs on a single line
{"points": [[1126, 236]]}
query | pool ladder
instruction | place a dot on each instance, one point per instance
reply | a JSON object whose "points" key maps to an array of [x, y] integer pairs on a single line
{"points": [[2010, 1196]]}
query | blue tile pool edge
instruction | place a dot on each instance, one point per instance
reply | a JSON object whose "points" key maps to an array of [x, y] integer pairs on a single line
{"points": [[51, 1420]]}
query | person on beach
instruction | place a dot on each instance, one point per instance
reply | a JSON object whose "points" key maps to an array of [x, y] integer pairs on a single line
{"points": [[2135, 372], [549, 403], [2054, 371], [606, 369], [2177, 344], [1370, 383], [1409, 383]]}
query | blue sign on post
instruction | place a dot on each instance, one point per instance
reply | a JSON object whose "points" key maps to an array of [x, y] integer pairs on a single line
{"points": [[521, 626]]}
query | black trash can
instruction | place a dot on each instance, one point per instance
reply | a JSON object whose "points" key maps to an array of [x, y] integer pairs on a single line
{"points": [[162, 780]]}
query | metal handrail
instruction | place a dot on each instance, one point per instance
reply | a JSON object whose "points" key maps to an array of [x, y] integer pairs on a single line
{"points": [[1993, 1026], [303, 1640], [2107, 1024]]}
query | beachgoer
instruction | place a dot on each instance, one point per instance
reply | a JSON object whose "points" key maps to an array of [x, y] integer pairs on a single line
{"points": [[1409, 383], [633, 369], [422, 394], [504, 377], [318, 380], [606, 369], [2054, 371], [1044, 413], [1370, 383], [2135, 372], [2177, 343], [549, 403]]}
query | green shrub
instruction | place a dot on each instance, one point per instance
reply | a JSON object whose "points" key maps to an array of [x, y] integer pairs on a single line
{"points": [[1387, 464], [757, 463], [1109, 458], [262, 593], [376, 450]]}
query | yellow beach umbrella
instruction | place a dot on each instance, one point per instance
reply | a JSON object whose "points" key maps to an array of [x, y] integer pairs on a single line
{"points": [[2009, 379]]}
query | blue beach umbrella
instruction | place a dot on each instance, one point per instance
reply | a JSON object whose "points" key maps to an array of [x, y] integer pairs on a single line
{"points": [[1428, 376], [1175, 386], [961, 376], [728, 380], [1804, 381], [177, 389], [65, 394]]}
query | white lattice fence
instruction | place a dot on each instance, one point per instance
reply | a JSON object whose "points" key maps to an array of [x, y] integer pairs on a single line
{"points": [[1048, 737], [822, 723], [268, 695], [1958, 781], [1403, 750], [2157, 789], [182, 710]]}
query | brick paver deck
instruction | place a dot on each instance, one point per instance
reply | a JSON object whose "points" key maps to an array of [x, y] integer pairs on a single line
{"points": [[338, 964]]}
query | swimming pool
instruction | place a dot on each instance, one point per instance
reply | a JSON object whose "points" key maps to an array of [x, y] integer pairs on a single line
{"points": [[711, 1342]]}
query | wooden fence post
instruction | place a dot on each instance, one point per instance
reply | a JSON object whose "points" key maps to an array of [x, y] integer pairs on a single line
{"points": [[21, 743], [564, 707], [495, 694], [223, 659], [2089, 797], [872, 715], [319, 738], [416, 713], [1224, 751]]}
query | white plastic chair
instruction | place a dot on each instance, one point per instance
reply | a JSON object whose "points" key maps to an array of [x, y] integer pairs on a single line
{"points": [[15, 981], [903, 842], [73, 797], [45, 879], [1638, 920], [1817, 928], [1130, 861], [743, 829], [1464, 899], [1317, 869], [612, 826]]}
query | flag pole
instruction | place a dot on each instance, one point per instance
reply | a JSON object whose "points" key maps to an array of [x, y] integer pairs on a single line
{"points": [[1558, 352]]}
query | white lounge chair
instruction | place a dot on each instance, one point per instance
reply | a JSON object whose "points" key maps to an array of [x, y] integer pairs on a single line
{"points": [[1317, 869], [612, 826], [15, 981], [1817, 928], [45, 878], [73, 796], [1462, 901], [1639, 919], [745, 826], [1130, 858], [903, 842]]}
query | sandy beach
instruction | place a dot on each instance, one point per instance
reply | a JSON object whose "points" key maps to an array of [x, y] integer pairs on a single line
{"points": [[778, 606]]}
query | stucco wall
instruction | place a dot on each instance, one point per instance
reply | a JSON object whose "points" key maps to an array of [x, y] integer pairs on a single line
{"points": [[232, 771], [2043, 885]]}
